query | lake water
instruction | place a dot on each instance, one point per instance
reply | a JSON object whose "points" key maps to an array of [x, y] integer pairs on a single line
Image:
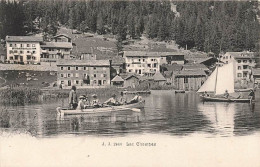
{"points": [[164, 113]]}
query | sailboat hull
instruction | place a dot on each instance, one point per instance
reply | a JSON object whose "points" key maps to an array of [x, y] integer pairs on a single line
{"points": [[219, 99]]}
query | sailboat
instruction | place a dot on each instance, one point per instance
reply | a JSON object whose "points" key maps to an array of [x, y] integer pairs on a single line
{"points": [[221, 80]]}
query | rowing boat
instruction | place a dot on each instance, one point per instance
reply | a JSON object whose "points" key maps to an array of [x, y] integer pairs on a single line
{"points": [[134, 107], [220, 99]]}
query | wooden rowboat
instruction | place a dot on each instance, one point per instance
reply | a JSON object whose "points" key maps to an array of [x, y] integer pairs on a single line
{"points": [[134, 107], [219, 99]]}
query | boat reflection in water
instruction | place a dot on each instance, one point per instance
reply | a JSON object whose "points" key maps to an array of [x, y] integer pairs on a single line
{"points": [[229, 119], [103, 123]]}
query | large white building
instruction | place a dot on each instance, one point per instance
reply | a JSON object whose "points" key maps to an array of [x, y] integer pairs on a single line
{"points": [[148, 63], [23, 49], [243, 63]]}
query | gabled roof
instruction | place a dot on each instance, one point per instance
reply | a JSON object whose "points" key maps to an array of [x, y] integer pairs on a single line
{"points": [[241, 55], [65, 35], [57, 45], [83, 63], [194, 67], [117, 79], [131, 75], [23, 39], [172, 67], [150, 54], [168, 74], [158, 77], [190, 73]]}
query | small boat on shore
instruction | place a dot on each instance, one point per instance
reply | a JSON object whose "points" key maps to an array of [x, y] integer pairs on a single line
{"points": [[134, 107], [220, 81]]}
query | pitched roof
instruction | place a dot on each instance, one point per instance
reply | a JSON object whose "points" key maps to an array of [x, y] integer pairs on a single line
{"points": [[130, 76], [168, 74], [83, 63], [172, 67], [65, 35], [117, 79], [190, 73], [117, 60], [241, 55], [23, 39], [158, 77], [150, 54], [194, 67], [57, 45]]}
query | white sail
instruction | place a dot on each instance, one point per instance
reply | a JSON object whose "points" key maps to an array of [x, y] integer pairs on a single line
{"points": [[225, 79], [209, 84]]}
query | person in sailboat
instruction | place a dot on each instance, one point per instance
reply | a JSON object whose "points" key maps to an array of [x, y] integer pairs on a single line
{"points": [[205, 94], [226, 94], [251, 95]]}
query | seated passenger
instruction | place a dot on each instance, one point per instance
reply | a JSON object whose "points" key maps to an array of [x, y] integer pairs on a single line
{"points": [[251, 95], [111, 101], [226, 94], [95, 102], [86, 102], [205, 94], [122, 99], [81, 103], [136, 99]]}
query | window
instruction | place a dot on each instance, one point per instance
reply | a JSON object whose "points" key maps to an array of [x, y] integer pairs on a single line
{"points": [[130, 70], [68, 75], [21, 45], [11, 45], [29, 57], [33, 57], [245, 67], [14, 45], [239, 61], [94, 68], [244, 75], [239, 67], [16, 57], [151, 59], [244, 61], [68, 68], [104, 82], [84, 68], [143, 60], [61, 68], [77, 68], [28, 51], [61, 75], [104, 75], [128, 65], [186, 80], [155, 65], [139, 59], [77, 82], [15, 51], [250, 61], [149, 65], [10, 51], [239, 75], [95, 75], [28, 45], [95, 82], [11, 58], [34, 52], [21, 51]]}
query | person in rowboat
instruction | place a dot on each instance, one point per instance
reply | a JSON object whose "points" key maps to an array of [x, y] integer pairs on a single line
{"points": [[81, 102], [112, 101], [122, 99], [226, 94], [251, 95], [95, 102], [86, 102], [136, 99], [73, 99]]}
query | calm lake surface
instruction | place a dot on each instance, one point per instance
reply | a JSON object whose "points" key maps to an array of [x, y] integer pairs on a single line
{"points": [[164, 113]]}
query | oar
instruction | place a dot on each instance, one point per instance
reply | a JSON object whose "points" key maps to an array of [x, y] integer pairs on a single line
{"points": [[125, 108]]}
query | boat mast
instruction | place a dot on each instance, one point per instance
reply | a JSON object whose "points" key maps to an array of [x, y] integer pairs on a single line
{"points": [[216, 79]]}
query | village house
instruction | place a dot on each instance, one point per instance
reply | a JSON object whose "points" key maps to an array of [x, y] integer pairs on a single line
{"points": [[148, 63], [158, 79], [243, 64], [188, 80], [61, 38], [83, 73], [256, 76], [23, 49], [53, 51], [117, 81]]}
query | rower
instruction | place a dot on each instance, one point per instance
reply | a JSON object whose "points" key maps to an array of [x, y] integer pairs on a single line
{"points": [[111, 101], [122, 99], [73, 100], [95, 101], [136, 99]]}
